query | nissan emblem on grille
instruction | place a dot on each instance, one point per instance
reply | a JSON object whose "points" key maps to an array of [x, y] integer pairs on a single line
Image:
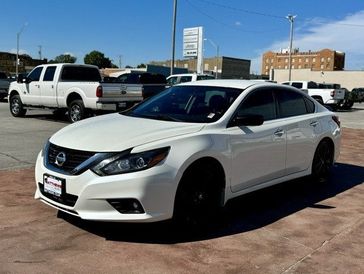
{"points": [[60, 159]]}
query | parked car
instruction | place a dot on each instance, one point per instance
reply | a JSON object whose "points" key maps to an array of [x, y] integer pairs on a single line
{"points": [[187, 77], [187, 151], [4, 85], [357, 95], [74, 88], [326, 94]]}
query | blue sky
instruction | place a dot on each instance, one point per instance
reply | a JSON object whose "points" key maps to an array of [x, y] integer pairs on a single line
{"points": [[140, 30]]}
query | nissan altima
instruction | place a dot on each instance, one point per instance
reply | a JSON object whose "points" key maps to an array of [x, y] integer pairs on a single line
{"points": [[187, 151]]}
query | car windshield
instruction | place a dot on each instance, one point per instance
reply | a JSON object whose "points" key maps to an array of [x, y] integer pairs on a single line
{"points": [[195, 104]]}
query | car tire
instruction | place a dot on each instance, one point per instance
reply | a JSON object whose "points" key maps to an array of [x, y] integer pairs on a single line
{"points": [[16, 106], [198, 197], [76, 111], [322, 162]]}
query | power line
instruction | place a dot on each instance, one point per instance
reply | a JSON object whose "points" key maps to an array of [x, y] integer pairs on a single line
{"points": [[224, 24]]}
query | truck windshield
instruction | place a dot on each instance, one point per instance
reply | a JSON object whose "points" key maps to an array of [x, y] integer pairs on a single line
{"points": [[195, 104]]}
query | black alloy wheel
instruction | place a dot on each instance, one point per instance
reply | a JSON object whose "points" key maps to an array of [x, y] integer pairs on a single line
{"points": [[322, 161]]}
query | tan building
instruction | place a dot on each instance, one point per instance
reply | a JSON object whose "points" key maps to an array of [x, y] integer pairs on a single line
{"points": [[323, 60], [226, 67]]}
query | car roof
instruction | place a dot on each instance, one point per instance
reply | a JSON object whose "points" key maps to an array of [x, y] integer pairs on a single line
{"points": [[241, 84]]}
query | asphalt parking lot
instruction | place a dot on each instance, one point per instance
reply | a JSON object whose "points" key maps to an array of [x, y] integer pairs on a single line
{"points": [[296, 227]]}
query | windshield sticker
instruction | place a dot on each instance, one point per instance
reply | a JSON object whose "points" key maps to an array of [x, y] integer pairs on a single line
{"points": [[211, 115]]}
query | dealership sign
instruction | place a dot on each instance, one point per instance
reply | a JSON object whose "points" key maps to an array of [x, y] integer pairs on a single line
{"points": [[192, 41]]}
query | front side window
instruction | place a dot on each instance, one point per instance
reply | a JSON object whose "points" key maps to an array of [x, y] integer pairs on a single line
{"points": [[184, 79], [260, 102], [49, 73], [35, 74], [172, 81], [195, 104]]}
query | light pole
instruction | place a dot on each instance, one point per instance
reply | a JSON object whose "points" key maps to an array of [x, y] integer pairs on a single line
{"points": [[173, 34], [17, 49], [217, 55], [291, 20]]}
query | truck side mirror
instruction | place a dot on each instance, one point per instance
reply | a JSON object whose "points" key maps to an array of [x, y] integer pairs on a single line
{"points": [[20, 79]]}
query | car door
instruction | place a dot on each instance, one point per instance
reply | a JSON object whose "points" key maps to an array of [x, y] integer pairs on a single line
{"points": [[48, 87], [302, 128], [258, 153], [31, 89]]}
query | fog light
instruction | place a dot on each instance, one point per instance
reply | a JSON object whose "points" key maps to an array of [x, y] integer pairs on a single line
{"points": [[126, 206]]}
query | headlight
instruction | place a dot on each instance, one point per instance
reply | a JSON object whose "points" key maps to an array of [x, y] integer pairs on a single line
{"points": [[122, 163]]}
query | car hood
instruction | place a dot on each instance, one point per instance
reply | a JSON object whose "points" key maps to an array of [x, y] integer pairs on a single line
{"points": [[115, 132]]}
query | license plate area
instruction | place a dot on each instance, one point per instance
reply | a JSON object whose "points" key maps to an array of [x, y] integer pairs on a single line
{"points": [[54, 185]]}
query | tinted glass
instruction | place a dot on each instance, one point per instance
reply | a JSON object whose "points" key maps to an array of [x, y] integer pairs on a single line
{"points": [[172, 81], [310, 106], [185, 79], [205, 77], [312, 85], [80, 74], [290, 103], [297, 85], [49, 74], [198, 104], [260, 102], [35, 74]]}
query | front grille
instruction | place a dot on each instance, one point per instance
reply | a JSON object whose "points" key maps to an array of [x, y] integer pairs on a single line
{"points": [[73, 157], [65, 199]]}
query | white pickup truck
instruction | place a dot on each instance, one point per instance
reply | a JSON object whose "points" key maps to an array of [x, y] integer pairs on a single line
{"points": [[73, 88], [332, 97]]}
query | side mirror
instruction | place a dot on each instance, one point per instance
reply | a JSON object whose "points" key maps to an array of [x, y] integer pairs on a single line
{"points": [[247, 120], [20, 79]]}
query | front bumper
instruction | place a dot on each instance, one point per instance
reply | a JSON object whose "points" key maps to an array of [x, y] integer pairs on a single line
{"points": [[153, 188]]}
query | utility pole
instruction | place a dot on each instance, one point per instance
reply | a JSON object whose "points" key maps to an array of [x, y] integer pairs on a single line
{"points": [[291, 20], [120, 56], [173, 34], [40, 52], [217, 54], [17, 49]]}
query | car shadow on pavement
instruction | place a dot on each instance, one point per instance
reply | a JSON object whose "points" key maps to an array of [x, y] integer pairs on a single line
{"points": [[248, 212]]}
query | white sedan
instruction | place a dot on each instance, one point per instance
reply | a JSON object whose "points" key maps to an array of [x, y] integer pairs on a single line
{"points": [[187, 151]]}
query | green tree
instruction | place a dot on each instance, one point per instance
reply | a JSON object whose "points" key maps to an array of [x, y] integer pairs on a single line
{"points": [[64, 58], [141, 66], [97, 58]]}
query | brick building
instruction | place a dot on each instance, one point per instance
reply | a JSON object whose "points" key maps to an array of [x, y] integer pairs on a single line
{"points": [[26, 63], [323, 60], [227, 67]]}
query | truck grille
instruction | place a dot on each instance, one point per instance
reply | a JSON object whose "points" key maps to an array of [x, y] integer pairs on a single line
{"points": [[72, 158]]}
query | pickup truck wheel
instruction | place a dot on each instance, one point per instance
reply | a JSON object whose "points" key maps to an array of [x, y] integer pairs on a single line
{"points": [[16, 106], [76, 111]]}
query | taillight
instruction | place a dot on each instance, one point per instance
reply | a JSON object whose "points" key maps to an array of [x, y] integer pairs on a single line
{"points": [[99, 91], [332, 93], [336, 120]]}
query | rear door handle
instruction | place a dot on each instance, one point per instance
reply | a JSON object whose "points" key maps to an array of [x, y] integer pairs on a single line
{"points": [[279, 132], [314, 123]]}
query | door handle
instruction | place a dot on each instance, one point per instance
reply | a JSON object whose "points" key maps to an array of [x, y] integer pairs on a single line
{"points": [[38, 86], [279, 132], [314, 123]]}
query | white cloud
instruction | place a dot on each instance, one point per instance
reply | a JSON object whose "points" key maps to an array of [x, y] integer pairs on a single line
{"points": [[21, 51], [237, 23], [345, 35]]}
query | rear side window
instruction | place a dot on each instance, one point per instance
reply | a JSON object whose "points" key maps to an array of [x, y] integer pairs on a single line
{"points": [[204, 77], [290, 103], [80, 74], [310, 106], [35, 74], [260, 102], [297, 85], [49, 73], [184, 79]]}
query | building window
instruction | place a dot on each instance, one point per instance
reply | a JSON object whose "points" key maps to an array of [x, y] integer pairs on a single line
{"points": [[299, 66], [286, 67], [286, 60], [328, 59], [306, 60], [267, 60], [266, 67], [272, 60], [322, 66], [293, 67], [314, 60], [293, 60], [206, 66], [185, 66], [299, 60], [322, 59]]}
